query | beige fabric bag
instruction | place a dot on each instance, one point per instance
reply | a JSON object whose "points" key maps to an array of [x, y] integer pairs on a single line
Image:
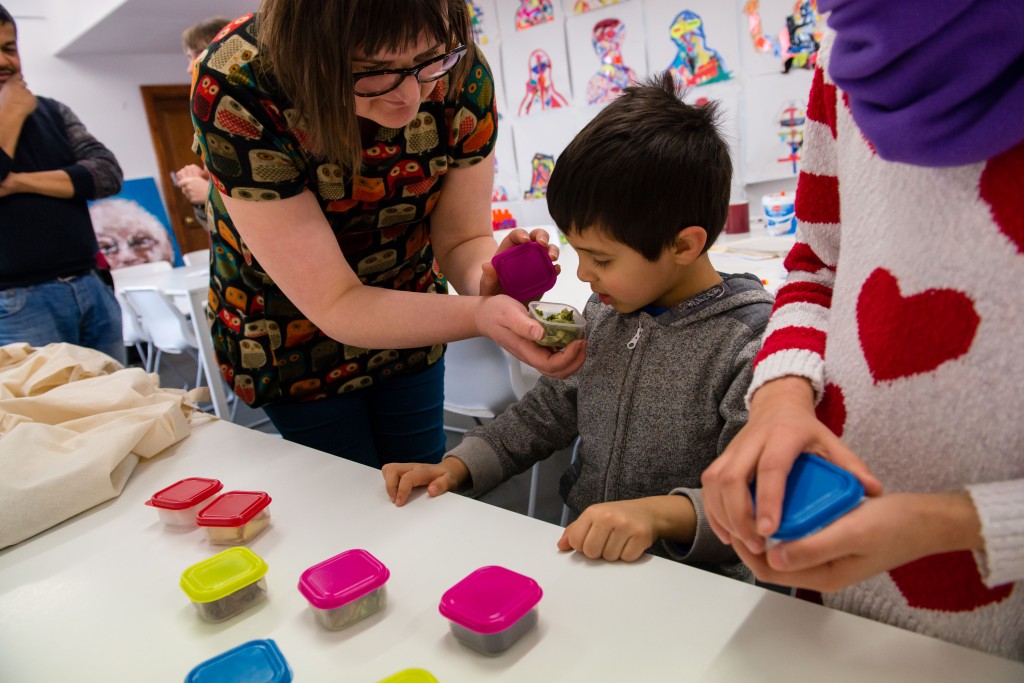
{"points": [[73, 424]]}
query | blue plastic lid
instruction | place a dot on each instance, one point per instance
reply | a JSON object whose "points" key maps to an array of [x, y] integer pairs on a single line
{"points": [[258, 661], [817, 494], [525, 271]]}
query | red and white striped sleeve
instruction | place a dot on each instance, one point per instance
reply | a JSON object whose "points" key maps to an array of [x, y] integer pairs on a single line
{"points": [[794, 341]]}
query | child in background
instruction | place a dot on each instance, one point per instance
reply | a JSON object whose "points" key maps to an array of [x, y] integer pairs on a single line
{"points": [[641, 194]]}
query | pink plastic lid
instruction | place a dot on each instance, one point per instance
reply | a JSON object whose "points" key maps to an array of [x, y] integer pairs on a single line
{"points": [[525, 271], [342, 579], [185, 493], [490, 600], [233, 508]]}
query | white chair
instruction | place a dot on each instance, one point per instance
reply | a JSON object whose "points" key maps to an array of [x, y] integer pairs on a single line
{"points": [[168, 329], [125, 273], [134, 335], [481, 380], [196, 258]]}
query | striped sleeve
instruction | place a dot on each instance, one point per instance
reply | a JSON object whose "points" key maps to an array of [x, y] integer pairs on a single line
{"points": [[794, 342]]}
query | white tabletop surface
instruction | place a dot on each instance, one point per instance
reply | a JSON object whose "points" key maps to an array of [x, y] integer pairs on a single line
{"points": [[97, 598]]}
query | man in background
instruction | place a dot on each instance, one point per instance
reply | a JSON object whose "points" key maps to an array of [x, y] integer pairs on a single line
{"points": [[49, 166]]}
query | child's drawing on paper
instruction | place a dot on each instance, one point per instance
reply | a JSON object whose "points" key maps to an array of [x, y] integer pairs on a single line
{"points": [[542, 165], [797, 44], [791, 132], [540, 88], [498, 192], [613, 75], [696, 63], [476, 19], [533, 13], [583, 6]]}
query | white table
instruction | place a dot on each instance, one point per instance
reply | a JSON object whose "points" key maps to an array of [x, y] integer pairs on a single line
{"points": [[97, 598], [188, 285]]}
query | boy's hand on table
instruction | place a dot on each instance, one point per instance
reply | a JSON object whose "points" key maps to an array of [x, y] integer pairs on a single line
{"points": [[624, 529], [400, 478], [782, 425], [880, 534]]}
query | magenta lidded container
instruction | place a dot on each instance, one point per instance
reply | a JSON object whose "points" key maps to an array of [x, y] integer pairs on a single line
{"points": [[235, 517], [346, 588], [491, 609], [178, 504], [525, 271]]}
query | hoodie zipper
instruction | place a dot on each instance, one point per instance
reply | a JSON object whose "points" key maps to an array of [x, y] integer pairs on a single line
{"points": [[631, 344]]}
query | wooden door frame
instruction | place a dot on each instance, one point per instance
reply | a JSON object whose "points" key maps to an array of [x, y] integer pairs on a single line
{"points": [[151, 94]]}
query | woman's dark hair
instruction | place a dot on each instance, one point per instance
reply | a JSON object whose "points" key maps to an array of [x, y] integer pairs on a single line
{"points": [[308, 47], [647, 166]]}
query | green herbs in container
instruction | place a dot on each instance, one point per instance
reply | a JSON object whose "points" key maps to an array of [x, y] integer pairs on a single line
{"points": [[563, 324]]}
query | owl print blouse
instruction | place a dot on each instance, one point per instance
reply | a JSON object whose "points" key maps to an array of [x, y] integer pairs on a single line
{"points": [[252, 142]]}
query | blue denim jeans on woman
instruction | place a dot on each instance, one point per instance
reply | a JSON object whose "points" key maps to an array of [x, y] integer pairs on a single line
{"points": [[400, 420], [78, 310]]}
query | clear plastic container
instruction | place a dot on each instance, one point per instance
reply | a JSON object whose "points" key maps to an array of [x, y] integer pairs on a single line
{"points": [[491, 609], [563, 324], [817, 494], [525, 271], [345, 588], [235, 517], [226, 584], [257, 660], [411, 676], [178, 504]]}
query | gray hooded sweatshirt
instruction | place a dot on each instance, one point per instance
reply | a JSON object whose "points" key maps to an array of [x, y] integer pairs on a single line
{"points": [[656, 401]]}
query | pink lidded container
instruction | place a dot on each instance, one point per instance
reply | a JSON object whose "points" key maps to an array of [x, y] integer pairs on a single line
{"points": [[178, 504], [525, 271], [235, 517], [491, 609], [345, 588]]}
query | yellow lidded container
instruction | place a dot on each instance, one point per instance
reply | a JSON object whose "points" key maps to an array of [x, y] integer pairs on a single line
{"points": [[230, 582], [410, 676]]}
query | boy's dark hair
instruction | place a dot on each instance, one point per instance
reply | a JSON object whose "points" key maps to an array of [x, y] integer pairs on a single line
{"points": [[6, 18], [647, 166]]}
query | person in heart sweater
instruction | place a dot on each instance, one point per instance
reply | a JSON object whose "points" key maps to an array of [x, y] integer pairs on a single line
{"points": [[894, 349]]}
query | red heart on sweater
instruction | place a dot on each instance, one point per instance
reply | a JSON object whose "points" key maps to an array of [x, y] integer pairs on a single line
{"points": [[948, 582], [904, 336], [1002, 187], [831, 410]]}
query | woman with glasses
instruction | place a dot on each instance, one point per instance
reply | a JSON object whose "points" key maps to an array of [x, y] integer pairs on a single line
{"points": [[350, 142]]}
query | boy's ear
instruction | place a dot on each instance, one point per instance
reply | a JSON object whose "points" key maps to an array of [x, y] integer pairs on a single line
{"points": [[689, 244]]}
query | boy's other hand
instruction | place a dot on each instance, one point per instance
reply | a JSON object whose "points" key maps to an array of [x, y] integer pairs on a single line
{"points": [[400, 478], [782, 425], [489, 284], [624, 529]]}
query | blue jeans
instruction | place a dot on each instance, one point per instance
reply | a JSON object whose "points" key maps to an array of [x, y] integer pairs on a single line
{"points": [[400, 420], [79, 310]]}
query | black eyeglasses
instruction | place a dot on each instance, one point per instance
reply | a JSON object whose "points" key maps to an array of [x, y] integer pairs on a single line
{"points": [[373, 83]]}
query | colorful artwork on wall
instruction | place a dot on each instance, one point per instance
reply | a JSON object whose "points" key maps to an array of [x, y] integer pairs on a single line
{"points": [[132, 226]]}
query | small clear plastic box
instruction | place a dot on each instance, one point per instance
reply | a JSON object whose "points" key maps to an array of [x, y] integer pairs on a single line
{"points": [[226, 584], [558, 334], [817, 494], [525, 271], [345, 589], [178, 504], [257, 660], [491, 609], [235, 517]]}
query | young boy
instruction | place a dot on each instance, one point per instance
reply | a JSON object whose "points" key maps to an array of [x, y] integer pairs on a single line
{"points": [[641, 193]]}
